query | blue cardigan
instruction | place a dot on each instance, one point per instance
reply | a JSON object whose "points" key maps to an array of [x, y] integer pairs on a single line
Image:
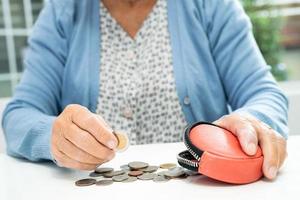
{"points": [[217, 65]]}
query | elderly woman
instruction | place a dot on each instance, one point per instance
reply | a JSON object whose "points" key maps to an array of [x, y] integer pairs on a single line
{"points": [[147, 67]]}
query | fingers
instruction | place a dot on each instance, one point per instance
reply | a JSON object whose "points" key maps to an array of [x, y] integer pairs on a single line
{"points": [[282, 146], [268, 143], [104, 122], [96, 126], [65, 161], [274, 150], [86, 142], [250, 132], [75, 153], [244, 131], [80, 139]]}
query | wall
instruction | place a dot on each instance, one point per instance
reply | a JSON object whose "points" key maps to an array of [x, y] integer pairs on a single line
{"points": [[292, 90]]}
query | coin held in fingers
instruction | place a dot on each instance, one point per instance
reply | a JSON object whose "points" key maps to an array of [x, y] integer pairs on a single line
{"points": [[123, 141]]}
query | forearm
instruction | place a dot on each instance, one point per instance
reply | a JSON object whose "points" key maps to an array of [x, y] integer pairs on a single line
{"points": [[27, 132]]}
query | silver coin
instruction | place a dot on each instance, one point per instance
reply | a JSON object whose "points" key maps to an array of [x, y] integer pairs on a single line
{"points": [[114, 173], [161, 173], [168, 165], [137, 165], [176, 169], [125, 167], [191, 173], [160, 179], [175, 172], [130, 179], [120, 178], [150, 169], [102, 170], [104, 182], [94, 174], [85, 182], [147, 176]]}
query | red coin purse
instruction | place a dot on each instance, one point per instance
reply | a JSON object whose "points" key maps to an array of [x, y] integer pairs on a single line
{"points": [[216, 153]]}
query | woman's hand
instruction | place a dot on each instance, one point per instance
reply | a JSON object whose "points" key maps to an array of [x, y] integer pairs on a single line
{"points": [[251, 132], [81, 139]]}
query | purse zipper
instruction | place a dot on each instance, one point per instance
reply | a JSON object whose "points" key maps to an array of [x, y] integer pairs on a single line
{"points": [[185, 160], [191, 157], [191, 151]]}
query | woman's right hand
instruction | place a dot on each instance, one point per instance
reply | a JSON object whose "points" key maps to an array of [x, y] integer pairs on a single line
{"points": [[81, 139]]}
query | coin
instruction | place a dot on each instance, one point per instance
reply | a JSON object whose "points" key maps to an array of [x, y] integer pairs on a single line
{"points": [[137, 165], [150, 169], [191, 173], [85, 182], [101, 170], [113, 173], [146, 176], [94, 174], [168, 165], [104, 182], [161, 173], [120, 178], [160, 179], [123, 141], [135, 173], [130, 179], [125, 167], [175, 172]]}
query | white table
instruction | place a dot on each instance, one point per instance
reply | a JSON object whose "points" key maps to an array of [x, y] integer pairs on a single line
{"points": [[20, 179]]}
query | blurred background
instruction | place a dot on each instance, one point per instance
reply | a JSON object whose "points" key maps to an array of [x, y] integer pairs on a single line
{"points": [[16, 20]]}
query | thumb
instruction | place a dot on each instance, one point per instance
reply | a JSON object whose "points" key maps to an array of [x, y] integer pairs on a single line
{"points": [[243, 130]]}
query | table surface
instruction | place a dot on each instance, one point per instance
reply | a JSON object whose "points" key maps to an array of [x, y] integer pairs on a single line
{"points": [[20, 179]]}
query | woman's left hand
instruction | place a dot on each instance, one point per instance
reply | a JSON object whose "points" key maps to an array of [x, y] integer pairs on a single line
{"points": [[251, 132]]}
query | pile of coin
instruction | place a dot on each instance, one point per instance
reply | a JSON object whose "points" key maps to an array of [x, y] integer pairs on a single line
{"points": [[134, 171]]}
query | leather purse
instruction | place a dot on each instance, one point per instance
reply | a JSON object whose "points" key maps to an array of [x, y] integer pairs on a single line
{"points": [[216, 153]]}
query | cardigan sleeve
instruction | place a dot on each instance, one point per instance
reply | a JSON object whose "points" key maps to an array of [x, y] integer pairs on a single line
{"points": [[246, 78], [28, 118]]}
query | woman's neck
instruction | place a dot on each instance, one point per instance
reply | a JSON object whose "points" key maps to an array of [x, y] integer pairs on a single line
{"points": [[130, 14], [129, 3]]}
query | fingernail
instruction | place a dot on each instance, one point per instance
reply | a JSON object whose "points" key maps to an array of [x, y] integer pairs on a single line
{"points": [[272, 172], [112, 144], [251, 148]]}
